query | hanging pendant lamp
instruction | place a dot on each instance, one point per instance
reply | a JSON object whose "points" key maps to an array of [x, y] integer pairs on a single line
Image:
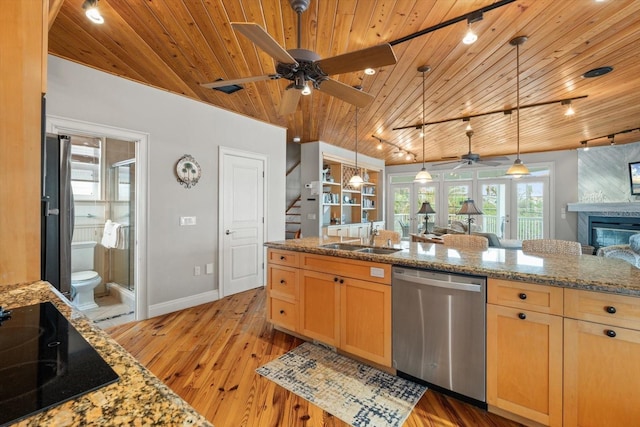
{"points": [[356, 180], [423, 176], [518, 168]]}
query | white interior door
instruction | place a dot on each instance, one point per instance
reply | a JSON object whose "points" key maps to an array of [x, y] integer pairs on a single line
{"points": [[241, 221]]}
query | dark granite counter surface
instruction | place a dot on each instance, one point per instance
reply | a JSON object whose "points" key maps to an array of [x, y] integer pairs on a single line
{"points": [[587, 272], [138, 398]]}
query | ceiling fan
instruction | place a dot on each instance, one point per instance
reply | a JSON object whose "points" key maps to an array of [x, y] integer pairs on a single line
{"points": [[471, 158], [303, 67]]}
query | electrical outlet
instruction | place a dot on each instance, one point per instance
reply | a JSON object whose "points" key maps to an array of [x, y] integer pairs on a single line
{"points": [[196, 270]]}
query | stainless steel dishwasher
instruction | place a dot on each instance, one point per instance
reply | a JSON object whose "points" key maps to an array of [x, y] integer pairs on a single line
{"points": [[439, 330]]}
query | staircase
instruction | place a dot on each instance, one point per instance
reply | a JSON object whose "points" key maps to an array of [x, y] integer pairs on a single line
{"points": [[292, 213], [292, 220]]}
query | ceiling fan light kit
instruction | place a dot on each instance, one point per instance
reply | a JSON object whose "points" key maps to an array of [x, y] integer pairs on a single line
{"points": [[518, 168]]}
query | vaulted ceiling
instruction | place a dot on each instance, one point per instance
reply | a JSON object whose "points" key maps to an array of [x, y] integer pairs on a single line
{"points": [[176, 45]]}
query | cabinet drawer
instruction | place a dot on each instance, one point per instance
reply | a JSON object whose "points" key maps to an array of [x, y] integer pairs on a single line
{"points": [[280, 257], [283, 281], [283, 313], [617, 310], [540, 298], [365, 270]]}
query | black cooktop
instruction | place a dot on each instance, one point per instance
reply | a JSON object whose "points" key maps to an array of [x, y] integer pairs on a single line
{"points": [[44, 361]]}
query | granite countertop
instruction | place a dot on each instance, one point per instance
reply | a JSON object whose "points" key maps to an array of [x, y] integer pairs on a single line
{"points": [[580, 272], [137, 398]]}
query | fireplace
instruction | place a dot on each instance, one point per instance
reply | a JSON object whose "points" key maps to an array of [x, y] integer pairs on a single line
{"points": [[607, 230]]}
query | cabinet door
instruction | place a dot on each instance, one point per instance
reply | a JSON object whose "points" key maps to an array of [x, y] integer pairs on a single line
{"points": [[358, 230], [601, 375], [365, 320], [338, 230], [319, 306], [524, 363]]}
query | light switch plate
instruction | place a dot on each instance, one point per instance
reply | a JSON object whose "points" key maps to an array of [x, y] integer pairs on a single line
{"points": [[377, 272], [187, 220]]}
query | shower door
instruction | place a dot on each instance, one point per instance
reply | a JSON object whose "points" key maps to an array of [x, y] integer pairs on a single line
{"points": [[122, 210]]}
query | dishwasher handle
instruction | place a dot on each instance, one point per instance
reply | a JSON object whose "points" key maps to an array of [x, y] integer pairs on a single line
{"points": [[469, 287]]}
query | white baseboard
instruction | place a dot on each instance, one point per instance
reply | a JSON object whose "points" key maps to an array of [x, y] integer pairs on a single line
{"points": [[182, 303]]}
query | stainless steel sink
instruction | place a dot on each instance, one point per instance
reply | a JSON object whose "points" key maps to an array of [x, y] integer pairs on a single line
{"points": [[341, 246], [380, 251]]}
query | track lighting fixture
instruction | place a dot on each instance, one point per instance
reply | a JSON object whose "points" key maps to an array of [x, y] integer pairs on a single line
{"points": [[569, 111], [585, 145], [518, 168], [91, 10], [471, 37], [423, 176], [612, 139], [468, 121]]}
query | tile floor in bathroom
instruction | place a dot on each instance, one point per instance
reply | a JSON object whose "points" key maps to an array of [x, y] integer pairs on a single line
{"points": [[111, 311]]}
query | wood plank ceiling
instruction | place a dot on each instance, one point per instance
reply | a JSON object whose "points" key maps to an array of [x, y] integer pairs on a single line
{"points": [[176, 45]]}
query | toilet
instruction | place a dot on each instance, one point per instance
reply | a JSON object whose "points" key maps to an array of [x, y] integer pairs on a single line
{"points": [[83, 279]]}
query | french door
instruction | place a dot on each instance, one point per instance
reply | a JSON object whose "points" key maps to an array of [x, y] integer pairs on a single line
{"points": [[406, 200], [516, 209]]}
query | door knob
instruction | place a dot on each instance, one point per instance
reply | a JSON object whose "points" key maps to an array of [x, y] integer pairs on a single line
{"points": [[229, 232]]}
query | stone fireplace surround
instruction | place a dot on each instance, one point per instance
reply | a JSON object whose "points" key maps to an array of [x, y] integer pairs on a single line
{"points": [[610, 210]]}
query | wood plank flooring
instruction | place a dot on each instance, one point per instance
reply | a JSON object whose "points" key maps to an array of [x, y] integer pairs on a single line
{"points": [[208, 355]]}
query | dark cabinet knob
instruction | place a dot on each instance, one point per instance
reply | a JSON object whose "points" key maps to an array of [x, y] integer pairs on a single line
{"points": [[282, 258], [610, 309], [522, 316], [610, 333], [335, 279], [522, 295], [281, 311], [341, 281], [282, 281]]}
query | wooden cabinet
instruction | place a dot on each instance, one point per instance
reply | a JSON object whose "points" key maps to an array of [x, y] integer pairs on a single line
{"points": [[341, 302], [524, 350], [282, 288], [365, 320], [601, 354]]}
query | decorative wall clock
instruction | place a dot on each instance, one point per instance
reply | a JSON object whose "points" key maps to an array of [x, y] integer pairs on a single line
{"points": [[188, 171]]}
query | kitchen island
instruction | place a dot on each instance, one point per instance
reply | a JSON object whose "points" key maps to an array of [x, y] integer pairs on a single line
{"points": [[583, 272], [562, 332], [137, 398]]}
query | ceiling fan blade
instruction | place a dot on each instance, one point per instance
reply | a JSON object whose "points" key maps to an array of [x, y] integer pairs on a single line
{"points": [[289, 101], [460, 165], [448, 163], [496, 158], [264, 41], [222, 83], [345, 93], [489, 163], [371, 57]]}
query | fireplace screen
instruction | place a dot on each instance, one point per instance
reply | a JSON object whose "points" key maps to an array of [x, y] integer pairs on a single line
{"points": [[607, 231]]}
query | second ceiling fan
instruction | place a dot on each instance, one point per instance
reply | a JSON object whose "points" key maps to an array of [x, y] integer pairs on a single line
{"points": [[470, 158], [303, 67]]}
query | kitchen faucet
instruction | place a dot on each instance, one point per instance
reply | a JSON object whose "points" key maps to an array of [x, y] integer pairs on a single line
{"points": [[372, 235]]}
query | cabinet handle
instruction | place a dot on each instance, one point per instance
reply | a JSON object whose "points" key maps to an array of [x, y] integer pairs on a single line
{"points": [[610, 333], [341, 281], [281, 311], [522, 295], [282, 258], [282, 281], [335, 279], [522, 316], [610, 309]]}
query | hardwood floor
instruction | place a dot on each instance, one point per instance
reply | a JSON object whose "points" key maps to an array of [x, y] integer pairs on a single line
{"points": [[208, 355]]}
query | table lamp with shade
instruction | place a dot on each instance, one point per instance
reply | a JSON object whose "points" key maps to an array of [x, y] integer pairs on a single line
{"points": [[469, 208], [426, 209]]}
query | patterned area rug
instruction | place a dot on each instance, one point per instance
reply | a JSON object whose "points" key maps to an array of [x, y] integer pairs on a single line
{"points": [[357, 394]]}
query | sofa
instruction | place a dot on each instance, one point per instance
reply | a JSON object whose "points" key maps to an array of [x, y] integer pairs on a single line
{"points": [[629, 253], [458, 227]]}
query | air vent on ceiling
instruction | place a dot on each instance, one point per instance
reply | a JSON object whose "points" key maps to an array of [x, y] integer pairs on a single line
{"points": [[228, 89]]}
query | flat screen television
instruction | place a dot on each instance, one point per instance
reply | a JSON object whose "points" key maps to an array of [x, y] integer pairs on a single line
{"points": [[634, 178]]}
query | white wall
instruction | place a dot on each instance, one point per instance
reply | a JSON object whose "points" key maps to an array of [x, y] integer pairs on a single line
{"points": [[177, 126], [564, 184]]}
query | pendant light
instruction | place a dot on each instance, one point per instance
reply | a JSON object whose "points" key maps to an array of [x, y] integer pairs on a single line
{"points": [[356, 180], [423, 176], [518, 168], [91, 10]]}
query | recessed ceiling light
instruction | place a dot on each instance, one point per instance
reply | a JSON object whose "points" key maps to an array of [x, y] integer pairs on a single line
{"points": [[597, 72], [369, 71]]}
